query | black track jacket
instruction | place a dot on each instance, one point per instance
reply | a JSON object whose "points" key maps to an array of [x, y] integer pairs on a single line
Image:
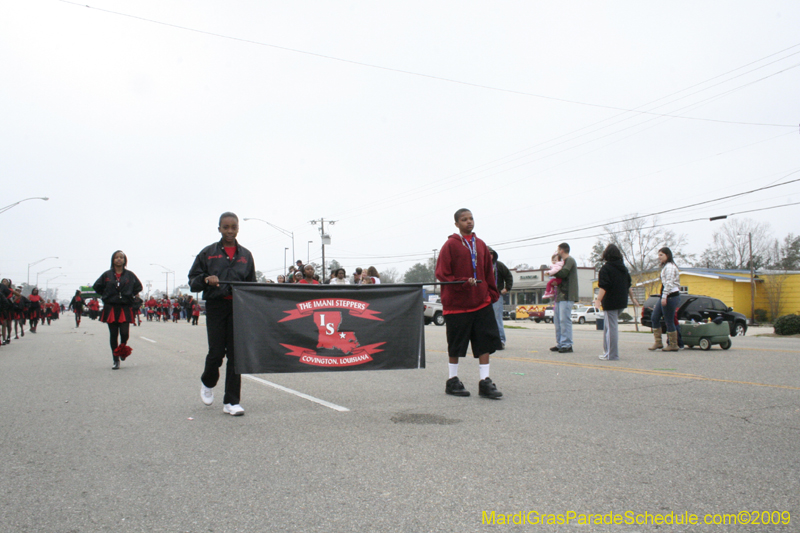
{"points": [[213, 261]]}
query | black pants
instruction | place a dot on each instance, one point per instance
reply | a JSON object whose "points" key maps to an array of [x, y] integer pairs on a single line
{"points": [[116, 329], [219, 326]]}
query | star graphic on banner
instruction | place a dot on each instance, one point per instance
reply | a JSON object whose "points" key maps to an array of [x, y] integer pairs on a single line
{"points": [[342, 335]]}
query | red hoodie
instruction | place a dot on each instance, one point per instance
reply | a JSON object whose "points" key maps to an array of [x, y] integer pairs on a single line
{"points": [[455, 264]]}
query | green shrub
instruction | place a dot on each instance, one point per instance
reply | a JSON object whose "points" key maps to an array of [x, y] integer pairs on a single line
{"points": [[761, 315], [788, 325], [625, 317]]}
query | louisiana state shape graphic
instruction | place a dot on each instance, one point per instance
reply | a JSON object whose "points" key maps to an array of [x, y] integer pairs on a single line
{"points": [[328, 328]]}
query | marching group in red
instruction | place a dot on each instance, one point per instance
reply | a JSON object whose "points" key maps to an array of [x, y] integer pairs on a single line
{"points": [[17, 310]]}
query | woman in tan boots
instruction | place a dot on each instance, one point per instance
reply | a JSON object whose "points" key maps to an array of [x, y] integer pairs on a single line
{"points": [[668, 304]]}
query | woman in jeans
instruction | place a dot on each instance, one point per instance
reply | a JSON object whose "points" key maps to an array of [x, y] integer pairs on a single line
{"points": [[668, 304]]}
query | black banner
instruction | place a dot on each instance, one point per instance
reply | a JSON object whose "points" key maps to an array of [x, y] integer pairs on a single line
{"points": [[320, 328]]}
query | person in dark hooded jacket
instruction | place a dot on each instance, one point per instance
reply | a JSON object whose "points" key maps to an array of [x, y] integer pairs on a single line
{"points": [[615, 286], [504, 281]]}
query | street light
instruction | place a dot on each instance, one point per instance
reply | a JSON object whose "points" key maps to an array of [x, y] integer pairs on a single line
{"points": [[324, 237], [6, 208], [42, 272], [47, 284], [284, 262], [166, 277], [285, 232], [36, 263]]}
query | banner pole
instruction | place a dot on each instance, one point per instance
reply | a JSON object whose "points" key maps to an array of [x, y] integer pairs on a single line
{"points": [[258, 283]]}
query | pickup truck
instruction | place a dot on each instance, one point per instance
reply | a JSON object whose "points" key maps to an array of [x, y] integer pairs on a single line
{"points": [[583, 314], [432, 312]]}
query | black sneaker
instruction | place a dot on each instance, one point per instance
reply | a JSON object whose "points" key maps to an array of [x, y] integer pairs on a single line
{"points": [[554, 349], [487, 389], [566, 349], [455, 387]]}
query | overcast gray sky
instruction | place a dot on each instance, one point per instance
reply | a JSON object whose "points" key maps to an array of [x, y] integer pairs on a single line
{"points": [[143, 121]]}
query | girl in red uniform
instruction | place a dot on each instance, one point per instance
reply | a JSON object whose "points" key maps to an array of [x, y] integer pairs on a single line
{"points": [[48, 312], [35, 309], [76, 304], [6, 310], [118, 286], [195, 313], [20, 305]]}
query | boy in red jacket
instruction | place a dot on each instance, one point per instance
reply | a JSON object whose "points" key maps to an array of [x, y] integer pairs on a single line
{"points": [[467, 307]]}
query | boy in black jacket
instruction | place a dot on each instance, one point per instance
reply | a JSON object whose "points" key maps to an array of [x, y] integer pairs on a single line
{"points": [[222, 261]]}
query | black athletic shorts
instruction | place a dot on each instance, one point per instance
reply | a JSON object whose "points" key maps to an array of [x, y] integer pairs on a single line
{"points": [[478, 327]]}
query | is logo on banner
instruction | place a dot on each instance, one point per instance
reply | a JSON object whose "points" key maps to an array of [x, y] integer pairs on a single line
{"points": [[327, 322]]}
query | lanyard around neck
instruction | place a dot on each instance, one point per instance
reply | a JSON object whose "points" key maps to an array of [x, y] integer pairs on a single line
{"points": [[472, 246]]}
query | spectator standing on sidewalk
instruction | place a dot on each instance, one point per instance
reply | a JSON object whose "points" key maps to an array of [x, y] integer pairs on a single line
{"points": [[566, 296], [614, 282], [668, 304], [504, 281]]}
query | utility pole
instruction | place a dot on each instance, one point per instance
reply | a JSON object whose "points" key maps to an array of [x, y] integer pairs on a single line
{"points": [[325, 238], [752, 285]]}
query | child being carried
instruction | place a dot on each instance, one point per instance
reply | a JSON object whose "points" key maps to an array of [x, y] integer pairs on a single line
{"points": [[550, 291]]}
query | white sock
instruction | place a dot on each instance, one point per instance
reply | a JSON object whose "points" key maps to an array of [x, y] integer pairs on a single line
{"points": [[453, 369], [484, 371]]}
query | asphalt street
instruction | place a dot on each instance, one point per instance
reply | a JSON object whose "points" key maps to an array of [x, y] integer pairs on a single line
{"points": [[84, 448]]}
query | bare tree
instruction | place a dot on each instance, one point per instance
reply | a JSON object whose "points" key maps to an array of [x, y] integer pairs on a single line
{"points": [[730, 248], [639, 240], [786, 256], [390, 275], [420, 273], [772, 286]]}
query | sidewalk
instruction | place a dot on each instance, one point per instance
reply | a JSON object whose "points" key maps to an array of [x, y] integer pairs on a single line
{"points": [[629, 326]]}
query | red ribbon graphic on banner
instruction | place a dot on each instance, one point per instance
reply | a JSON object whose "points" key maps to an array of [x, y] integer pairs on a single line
{"points": [[360, 356], [356, 308]]}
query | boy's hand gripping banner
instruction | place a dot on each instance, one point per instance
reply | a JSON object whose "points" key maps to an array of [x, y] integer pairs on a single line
{"points": [[317, 328]]}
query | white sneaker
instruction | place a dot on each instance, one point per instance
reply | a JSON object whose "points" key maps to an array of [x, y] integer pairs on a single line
{"points": [[233, 410], [206, 394], [603, 357]]}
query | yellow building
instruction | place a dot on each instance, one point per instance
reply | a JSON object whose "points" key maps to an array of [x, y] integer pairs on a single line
{"points": [[776, 292]]}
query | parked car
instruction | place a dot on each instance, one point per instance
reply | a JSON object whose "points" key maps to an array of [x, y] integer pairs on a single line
{"points": [[584, 314], [432, 312], [700, 309], [548, 314]]}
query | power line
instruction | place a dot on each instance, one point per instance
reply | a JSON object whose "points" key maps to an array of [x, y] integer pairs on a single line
{"points": [[414, 195], [659, 212], [411, 73], [701, 219]]}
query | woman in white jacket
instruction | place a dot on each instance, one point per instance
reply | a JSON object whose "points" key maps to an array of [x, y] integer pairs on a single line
{"points": [[668, 304]]}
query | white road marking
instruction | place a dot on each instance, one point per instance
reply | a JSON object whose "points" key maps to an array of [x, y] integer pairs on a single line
{"points": [[296, 393], [148, 340]]}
